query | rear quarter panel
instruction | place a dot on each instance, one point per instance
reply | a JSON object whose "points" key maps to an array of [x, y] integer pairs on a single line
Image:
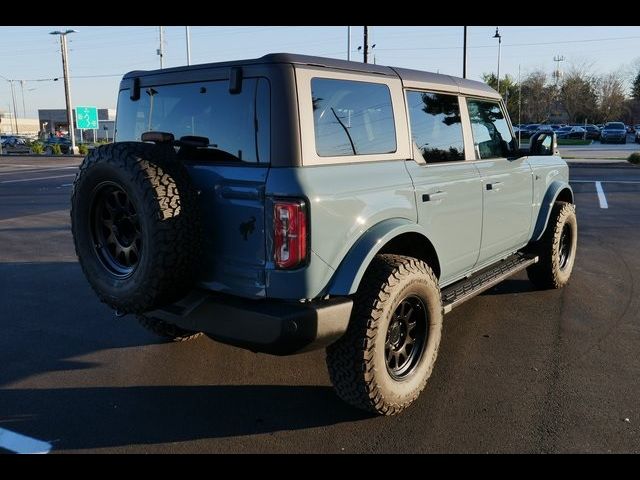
{"points": [[345, 200]]}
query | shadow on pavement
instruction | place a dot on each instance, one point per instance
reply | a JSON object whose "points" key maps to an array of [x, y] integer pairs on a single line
{"points": [[510, 286], [50, 319], [79, 418]]}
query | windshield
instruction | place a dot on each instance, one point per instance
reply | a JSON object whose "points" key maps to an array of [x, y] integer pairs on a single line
{"points": [[614, 126]]}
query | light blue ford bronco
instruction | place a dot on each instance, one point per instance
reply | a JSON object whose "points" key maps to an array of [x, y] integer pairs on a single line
{"points": [[289, 203]]}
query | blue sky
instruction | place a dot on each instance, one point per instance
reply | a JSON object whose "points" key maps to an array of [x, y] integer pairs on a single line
{"points": [[100, 55]]}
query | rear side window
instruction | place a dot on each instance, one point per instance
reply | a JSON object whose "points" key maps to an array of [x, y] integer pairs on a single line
{"points": [[490, 129], [436, 126], [237, 126], [352, 118]]}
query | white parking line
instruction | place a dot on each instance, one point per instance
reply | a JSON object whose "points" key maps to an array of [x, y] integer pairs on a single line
{"points": [[605, 181], [601, 198], [34, 170], [38, 178], [18, 443]]}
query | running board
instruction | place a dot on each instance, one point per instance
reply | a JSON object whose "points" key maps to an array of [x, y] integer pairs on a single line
{"points": [[460, 292]]}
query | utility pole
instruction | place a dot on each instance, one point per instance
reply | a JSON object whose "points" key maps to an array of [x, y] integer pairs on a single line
{"points": [[188, 34], [160, 51], [15, 111], [67, 86], [13, 97], [557, 74], [519, 107], [24, 110], [366, 43], [464, 55], [348, 42]]}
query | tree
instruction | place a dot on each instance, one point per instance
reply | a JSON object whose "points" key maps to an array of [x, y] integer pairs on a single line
{"points": [[635, 89], [537, 97], [509, 90], [578, 94], [611, 97]]}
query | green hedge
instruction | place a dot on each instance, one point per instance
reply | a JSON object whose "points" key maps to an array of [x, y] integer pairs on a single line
{"points": [[37, 147], [634, 158]]}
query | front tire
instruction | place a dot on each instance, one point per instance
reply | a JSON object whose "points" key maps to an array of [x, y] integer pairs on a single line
{"points": [[556, 249], [383, 361]]}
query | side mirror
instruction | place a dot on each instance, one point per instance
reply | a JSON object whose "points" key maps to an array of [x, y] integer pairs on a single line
{"points": [[543, 143]]}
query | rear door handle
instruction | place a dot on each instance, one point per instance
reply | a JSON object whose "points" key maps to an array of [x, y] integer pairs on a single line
{"points": [[428, 197], [494, 186]]}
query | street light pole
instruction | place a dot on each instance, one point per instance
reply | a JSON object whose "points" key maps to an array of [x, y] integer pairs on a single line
{"points": [[161, 49], [348, 43], [67, 85], [499, 37], [464, 55], [188, 34]]}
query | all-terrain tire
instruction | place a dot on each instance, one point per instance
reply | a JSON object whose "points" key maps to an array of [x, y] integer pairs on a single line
{"points": [[357, 361], [158, 190], [553, 270], [167, 330]]}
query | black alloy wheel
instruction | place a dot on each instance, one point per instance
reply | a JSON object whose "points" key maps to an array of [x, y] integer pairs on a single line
{"points": [[117, 239], [564, 246], [406, 337]]}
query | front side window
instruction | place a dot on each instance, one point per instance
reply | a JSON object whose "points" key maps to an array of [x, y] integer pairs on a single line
{"points": [[490, 129], [352, 118], [236, 126], [436, 126]]}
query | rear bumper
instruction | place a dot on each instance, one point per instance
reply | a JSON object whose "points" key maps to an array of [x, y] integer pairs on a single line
{"points": [[269, 326]]}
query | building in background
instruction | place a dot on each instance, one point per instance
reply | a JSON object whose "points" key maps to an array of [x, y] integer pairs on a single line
{"points": [[54, 121], [27, 127]]}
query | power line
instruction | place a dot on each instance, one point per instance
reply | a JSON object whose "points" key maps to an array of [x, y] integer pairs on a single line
{"points": [[519, 44]]}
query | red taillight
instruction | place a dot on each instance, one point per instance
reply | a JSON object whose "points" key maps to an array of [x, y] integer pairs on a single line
{"points": [[290, 233]]}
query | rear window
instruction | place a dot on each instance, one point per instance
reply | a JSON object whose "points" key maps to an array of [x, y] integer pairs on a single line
{"points": [[614, 126], [236, 125], [352, 118]]}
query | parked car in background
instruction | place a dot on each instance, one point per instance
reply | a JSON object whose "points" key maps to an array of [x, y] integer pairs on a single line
{"points": [[528, 130], [637, 135], [571, 132], [65, 144], [593, 132], [614, 132], [13, 144]]}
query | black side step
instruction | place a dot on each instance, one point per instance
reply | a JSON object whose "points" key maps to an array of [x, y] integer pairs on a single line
{"points": [[460, 292]]}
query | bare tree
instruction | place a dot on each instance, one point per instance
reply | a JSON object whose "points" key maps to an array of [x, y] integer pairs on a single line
{"points": [[578, 93], [611, 97], [537, 97]]}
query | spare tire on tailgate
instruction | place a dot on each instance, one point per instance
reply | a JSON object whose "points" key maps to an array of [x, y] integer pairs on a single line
{"points": [[135, 225]]}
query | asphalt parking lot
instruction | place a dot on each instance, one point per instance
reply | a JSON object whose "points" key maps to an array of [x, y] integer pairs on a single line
{"points": [[518, 371]]}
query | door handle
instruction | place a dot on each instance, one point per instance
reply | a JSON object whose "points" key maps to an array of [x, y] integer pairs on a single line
{"points": [[494, 186], [427, 197]]}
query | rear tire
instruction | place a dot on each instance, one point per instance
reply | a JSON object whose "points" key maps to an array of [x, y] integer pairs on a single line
{"points": [[135, 224], [165, 330], [556, 249], [374, 366]]}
